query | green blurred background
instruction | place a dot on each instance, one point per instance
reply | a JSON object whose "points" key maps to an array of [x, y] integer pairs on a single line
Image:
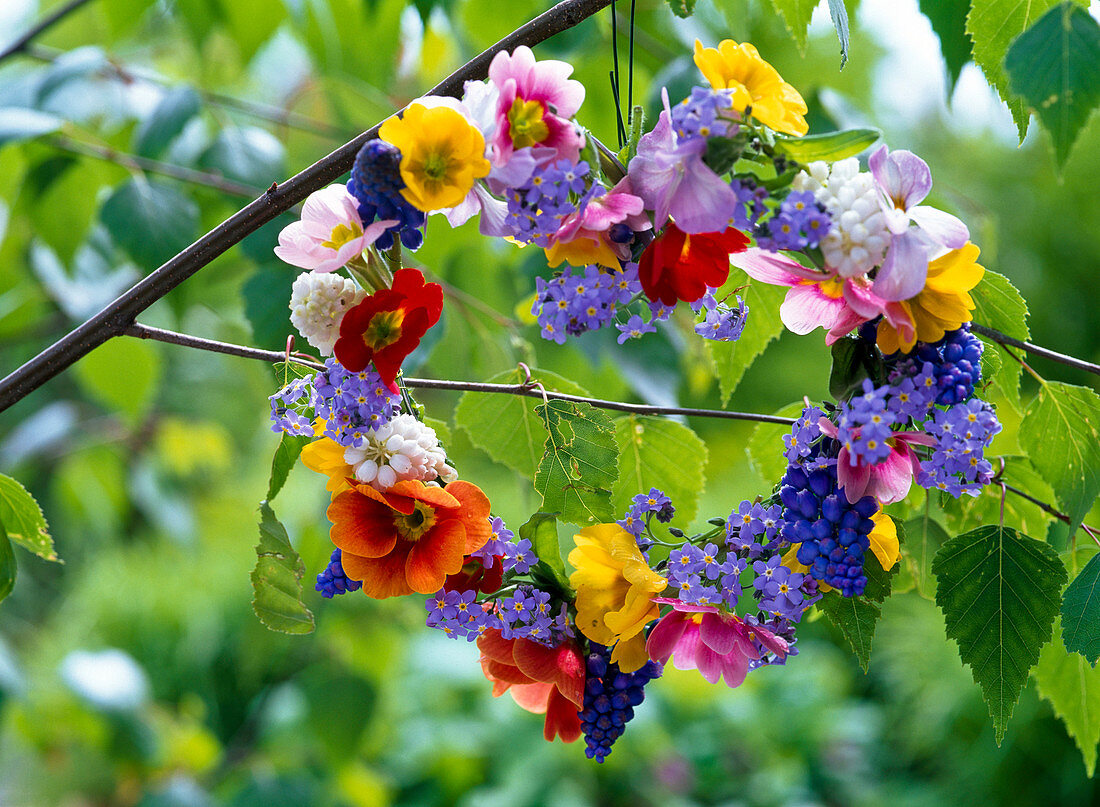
{"points": [[136, 674]]}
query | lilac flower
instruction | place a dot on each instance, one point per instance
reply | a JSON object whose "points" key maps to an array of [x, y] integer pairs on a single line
{"points": [[634, 328], [724, 324], [519, 557], [497, 546]]}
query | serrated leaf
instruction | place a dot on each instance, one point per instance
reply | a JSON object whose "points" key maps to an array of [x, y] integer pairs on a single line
{"points": [[506, 427], [24, 521], [286, 454], [999, 593], [1073, 689], [277, 579], [766, 449], [659, 453], [580, 463], [1000, 306], [247, 155], [171, 114], [1081, 614], [992, 25], [796, 16], [1061, 434], [123, 375], [7, 565], [838, 13], [18, 124], [853, 361], [830, 146], [924, 536], [150, 220], [732, 359], [542, 531], [856, 617], [948, 18], [682, 8], [1055, 66]]}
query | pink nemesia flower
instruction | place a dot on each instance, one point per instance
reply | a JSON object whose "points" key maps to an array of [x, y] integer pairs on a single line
{"points": [[582, 237], [330, 232], [712, 641], [904, 181], [534, 105], [817, 299], [673, 180], [888, 481]]}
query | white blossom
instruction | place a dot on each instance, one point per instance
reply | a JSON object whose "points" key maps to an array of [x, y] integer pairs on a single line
{"points": [[404, 448], [317, 305]]}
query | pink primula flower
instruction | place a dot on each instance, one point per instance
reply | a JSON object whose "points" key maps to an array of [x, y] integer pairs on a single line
{"points": [[904, 180], [816, 299], [583, 238], [330, 232], [714, 642], [535, 102], [888, 481]]}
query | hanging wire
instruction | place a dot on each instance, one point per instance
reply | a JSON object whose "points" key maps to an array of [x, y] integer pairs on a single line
{"points": [[615, 84], [620, 126], [630, 64]]}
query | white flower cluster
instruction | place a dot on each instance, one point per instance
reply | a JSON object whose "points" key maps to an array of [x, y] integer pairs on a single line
{"points": [[318, 303], [858, 239], [403, 448]]}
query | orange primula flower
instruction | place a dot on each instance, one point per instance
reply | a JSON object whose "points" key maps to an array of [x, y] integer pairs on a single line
{"points": [[542, 680], [410, 537]]}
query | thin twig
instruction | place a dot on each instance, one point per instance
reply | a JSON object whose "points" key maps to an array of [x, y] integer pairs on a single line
{"points": [[121, 313], [530, 389], [1046, 353], [60, 13], [149, 166]]}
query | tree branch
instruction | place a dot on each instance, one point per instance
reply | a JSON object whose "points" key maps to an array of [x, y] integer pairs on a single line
{"points": [[526, 389], [20, 45], [1046, 353], [120, 314]]}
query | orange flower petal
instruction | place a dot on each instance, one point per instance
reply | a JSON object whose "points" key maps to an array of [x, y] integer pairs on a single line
{"points": [[394, 500], [508, 674], [562, 719], [361, 526], [561, 665], [494, 646], [437, 554], [381, 577], [429, 494], [475, 513], [533, 697]]}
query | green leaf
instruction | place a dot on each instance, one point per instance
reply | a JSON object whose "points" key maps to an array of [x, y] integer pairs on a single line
{"points": [[766, 449], [1061, 434], [999, 593], [924, 536], [1055, 66], [265, 305], [542, 531], [853, 361], [659, 453], [150, 220], [286, 454], [829, 146], [1081, 613], [796, 15], [948, 18], [1000, 306], [856, 617], [732, 359], [580, 464], [992, 25], [506, 427], [18, 124], [1073, 689], [247, 155], [178, 106], [123, 375], [682, 8], [838, 13], [24, 521], [7, 565], [277, 579]]}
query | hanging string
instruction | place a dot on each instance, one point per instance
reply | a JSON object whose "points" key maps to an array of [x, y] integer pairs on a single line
{"points": [[615, 84]]}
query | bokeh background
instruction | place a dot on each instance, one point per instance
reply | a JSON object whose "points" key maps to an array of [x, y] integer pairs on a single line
{"points": [[136, 674]]}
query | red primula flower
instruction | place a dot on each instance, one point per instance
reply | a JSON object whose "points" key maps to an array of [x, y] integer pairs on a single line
{"points": [[542, 680], [387, 326], [410, 537], [475, 577], [677, 266]]}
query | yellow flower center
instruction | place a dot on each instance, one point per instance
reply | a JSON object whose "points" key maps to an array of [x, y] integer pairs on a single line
{"points": [[413, 526], [342, 234], [384, 329], [526, 125]]}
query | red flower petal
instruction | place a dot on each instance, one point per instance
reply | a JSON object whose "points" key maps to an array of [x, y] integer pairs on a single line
{"points": [[562, 719], [561, 665]]}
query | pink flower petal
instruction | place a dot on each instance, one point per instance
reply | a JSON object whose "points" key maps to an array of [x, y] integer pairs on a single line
{"points": [[717, 634], [943, 228], [906, 266], [708, 663], [806, 307], [735, 666], [665, 636]]}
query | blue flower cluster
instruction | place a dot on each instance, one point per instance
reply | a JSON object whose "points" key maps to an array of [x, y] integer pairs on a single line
{"points": [[332, 580], [754, 528], [701, 578], [585, 300], [802, 441], [751, 206], [610, 696], [955, 362], [514, 557], [864, 425], [288, 404], [376, 184], [529, 614], [722, 323], [958, 463], [645, 506], [699, 116], [799, 223], [782, 592], [459, 615], [537, 208]]}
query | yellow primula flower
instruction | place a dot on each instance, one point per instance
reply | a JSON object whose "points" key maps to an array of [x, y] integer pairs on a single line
{"points": [[442, 155], [943, 305], [884, 545], [326, 456], [755, 83], [615, 589]]}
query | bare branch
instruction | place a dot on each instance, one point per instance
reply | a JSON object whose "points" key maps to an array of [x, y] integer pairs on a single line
{"points": [[1046, 353], [60, 13], [120, 314]]}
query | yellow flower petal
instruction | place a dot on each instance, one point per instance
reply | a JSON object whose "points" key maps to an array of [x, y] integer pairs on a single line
{"points": [[884, 540], [326, 456], [791, 561]]}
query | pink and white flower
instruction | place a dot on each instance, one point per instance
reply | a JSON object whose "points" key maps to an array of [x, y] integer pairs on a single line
{"points": [[713, 641], [330, 232], [583, 238], [888, 481]]}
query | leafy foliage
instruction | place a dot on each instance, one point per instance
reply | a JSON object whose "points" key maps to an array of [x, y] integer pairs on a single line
{"points": [[580, 464], [23, 520], [998, 591], [122, 374], [796, 15], [732, 359], [178, 106], [948, 18], [286, 455], [542, 531], [7, 565], [277, 579], [857, 617], [1073, 689], [829, 146], [152, 221], [682, 8], [656, 452], [999, 305], [1081, 614], [1055, 66], [924, 536]]}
